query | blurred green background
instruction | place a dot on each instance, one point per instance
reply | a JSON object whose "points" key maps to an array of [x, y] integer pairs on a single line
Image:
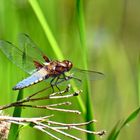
{"points": [[113, 42]]}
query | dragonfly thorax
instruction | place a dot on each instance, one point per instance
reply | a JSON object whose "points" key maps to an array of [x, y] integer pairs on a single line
{"points": [[55, 68]]}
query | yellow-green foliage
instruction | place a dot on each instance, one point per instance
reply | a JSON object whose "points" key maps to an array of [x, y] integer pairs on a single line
{"points": [[109, 33]]}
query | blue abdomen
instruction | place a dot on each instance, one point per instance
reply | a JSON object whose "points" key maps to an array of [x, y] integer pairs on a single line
{"points": [[33, 79]]}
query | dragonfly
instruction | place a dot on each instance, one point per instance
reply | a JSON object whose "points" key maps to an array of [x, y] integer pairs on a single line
{"points": [[33, 61]]}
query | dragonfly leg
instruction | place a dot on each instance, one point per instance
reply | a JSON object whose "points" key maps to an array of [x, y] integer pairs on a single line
{"points": [[67, 77], [55, 83], [64, 77], [57, 78], [52, 84]]}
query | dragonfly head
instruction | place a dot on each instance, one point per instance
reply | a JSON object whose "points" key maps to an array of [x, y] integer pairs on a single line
{"points": [[68, 64]]}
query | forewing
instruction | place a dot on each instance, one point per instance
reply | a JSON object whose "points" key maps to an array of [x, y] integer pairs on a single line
{"points": [[17, 56], [84, 74], [27, 45]]}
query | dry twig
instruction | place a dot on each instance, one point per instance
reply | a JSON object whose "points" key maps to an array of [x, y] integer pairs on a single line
{"points": [[44, 124]]}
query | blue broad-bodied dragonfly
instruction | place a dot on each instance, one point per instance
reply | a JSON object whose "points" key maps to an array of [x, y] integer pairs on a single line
{"points": [[33, 61]]}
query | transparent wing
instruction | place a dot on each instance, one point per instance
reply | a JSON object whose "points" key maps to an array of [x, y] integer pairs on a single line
{"points": [[27, 45], [83, 74], [17, 56]]}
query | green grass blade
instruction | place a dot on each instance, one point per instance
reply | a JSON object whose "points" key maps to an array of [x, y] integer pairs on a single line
{"points": [[131, 117], [139, 81], [36, 8], [81, 25], [34, 4], [115, 132], [14, 128]]}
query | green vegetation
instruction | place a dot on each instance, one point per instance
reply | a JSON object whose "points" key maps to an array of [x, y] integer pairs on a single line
{"points": [[98, 35]]}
